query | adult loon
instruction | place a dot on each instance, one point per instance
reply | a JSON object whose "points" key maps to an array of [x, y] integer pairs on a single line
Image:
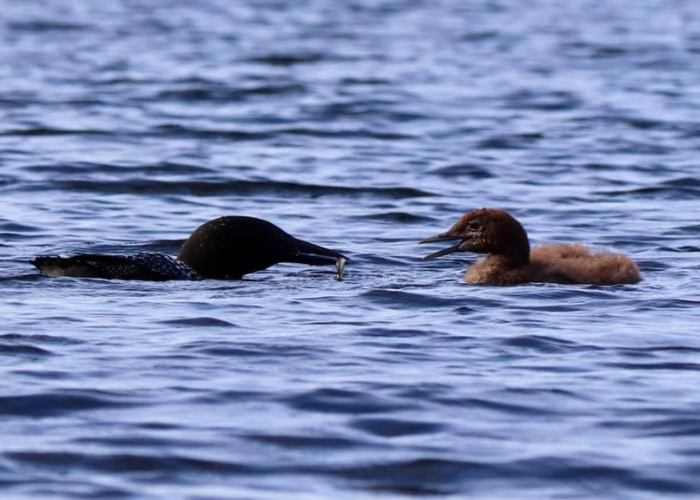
{"points": [[224, 248]]}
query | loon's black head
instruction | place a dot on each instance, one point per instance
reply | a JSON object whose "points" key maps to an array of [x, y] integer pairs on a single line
{"points": [[231, 247]]}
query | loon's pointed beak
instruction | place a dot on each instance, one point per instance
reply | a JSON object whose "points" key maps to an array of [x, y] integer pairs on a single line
{"points": [[442, 237], [315, 255]]}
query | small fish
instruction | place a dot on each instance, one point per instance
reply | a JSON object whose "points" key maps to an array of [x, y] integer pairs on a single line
{"points": [[340, 265]]}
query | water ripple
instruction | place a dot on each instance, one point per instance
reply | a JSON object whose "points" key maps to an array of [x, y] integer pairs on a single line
{"points": [[220, 188], [57, 404]]}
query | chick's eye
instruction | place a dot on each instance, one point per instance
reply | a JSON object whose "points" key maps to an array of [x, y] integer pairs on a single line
{"points": [[473, 226]]}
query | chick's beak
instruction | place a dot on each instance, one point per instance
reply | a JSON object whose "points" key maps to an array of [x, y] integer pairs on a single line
{"points": [[444, 251]]}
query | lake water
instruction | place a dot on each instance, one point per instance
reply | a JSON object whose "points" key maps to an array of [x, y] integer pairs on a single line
{"points": [[363, 126]]}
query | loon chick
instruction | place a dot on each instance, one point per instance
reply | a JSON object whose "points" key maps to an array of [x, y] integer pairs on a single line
{"points": [[509, 261], [224, 248]]}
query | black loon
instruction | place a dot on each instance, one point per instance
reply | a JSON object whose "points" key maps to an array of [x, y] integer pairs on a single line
{"points": [[224, 248]]}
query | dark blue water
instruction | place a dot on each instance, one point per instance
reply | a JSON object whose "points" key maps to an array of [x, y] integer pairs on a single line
{"points": [[363, 126]]}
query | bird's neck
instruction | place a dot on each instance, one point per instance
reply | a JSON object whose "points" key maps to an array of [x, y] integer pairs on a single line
{"points": [[515, 254]]}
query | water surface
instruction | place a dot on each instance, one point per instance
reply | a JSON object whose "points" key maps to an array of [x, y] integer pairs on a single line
{"points": [[363, 126]]}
